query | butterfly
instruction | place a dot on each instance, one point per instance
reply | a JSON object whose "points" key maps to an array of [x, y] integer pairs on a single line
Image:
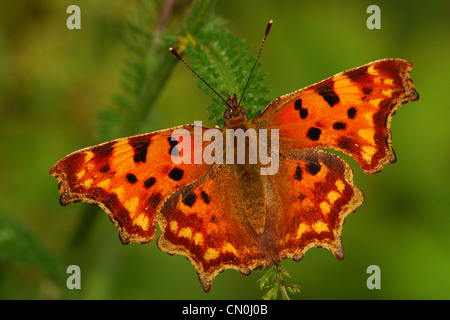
{"points": [[228, 215]]}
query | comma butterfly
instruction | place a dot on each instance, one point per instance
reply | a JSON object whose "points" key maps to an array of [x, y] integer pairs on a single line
{"points": [[225, 215]]}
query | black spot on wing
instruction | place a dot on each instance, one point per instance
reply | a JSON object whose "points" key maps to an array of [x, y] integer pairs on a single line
{"points": [[298, 173], [206, 198], [149, 182], [140, 149], [189, 199], [302, 111], [339, 126], [131, 178], [328, 94], [176, 174], [172, 150], [367, 91], [351, 113], [313, 168], [314, 133]]}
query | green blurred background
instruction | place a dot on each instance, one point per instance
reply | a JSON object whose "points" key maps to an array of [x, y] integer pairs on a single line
{"points": [[53, 82]]}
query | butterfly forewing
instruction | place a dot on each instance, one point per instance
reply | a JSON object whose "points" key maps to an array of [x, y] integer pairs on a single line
{"points": [[129, 178], [350, 112]]}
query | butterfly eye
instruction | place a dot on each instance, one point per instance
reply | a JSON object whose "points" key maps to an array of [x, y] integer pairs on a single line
{"points": [[242, 111]]}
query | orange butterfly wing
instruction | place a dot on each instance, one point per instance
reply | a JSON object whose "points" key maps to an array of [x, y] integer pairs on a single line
{"points": [[315, 193], [349, 112], [129, 178], [208, 223]]}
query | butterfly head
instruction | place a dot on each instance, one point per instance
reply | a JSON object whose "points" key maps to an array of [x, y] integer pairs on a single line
{"points": [[234, 113]]}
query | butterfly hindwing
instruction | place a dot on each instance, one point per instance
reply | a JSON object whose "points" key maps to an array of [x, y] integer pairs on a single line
{"points": [[316, 192], [207, 222]]}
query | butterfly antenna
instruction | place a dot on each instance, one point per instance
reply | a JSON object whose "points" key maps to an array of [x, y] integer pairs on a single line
{"points": [[269, 25], [178, 56]]}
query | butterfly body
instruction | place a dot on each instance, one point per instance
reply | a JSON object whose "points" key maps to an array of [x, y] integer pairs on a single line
{"points": [[224, 215]]}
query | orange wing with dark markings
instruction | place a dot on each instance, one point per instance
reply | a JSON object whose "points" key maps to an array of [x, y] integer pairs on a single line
{"points": [[129, 178], [315, 193], [350, 112], [207, 223]]}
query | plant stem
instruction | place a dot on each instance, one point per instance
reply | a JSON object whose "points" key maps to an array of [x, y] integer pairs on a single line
{"points": [[158, 76]]}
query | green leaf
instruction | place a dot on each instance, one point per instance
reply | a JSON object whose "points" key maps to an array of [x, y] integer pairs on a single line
{"points": [[223, 60], [21, 248], [273, 279], [268, 276], [272, 293], [149, 64]]}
